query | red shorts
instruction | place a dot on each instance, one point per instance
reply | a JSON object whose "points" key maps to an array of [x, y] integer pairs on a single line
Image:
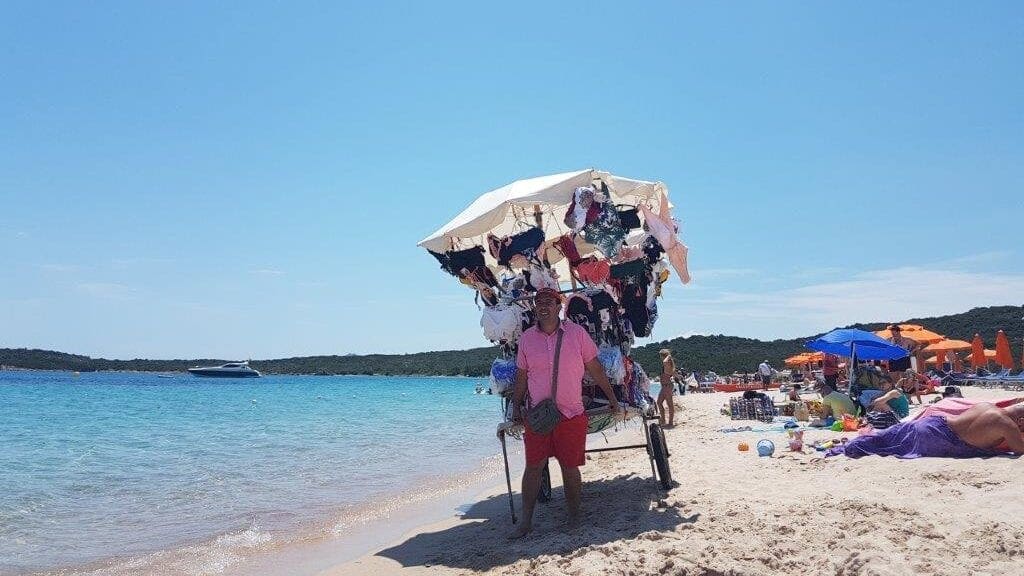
{"points": [[567, 443]]}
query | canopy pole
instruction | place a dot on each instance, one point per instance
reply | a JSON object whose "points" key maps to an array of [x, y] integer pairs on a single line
{"points": [[538, 216], [508, 478]]}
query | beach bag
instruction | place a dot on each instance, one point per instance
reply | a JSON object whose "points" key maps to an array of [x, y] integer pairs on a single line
{"points": [[801, 413], [544, 417], [881, 420], [503, 375], [501, 322]]}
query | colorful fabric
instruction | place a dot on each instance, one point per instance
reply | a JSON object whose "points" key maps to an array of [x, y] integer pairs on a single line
{"points": [[503, 375], [537, 355], [611, 359], [593, 271], [606, 232], [930, 436]]}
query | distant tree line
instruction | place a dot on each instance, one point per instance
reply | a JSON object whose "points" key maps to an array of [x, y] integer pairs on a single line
{"points": [[723, 354]]}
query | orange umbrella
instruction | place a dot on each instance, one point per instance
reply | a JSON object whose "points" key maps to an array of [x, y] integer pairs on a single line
{"points": [[948, 345], [978, 351], [915, 332], [797, 360], [989, 355], [1004, 357]]}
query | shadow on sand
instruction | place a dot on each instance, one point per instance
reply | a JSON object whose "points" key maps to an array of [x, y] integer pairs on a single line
{"points": [[616, 508]]}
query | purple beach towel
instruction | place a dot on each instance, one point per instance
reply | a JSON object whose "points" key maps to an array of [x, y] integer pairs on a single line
{"points": [[925, 437]]}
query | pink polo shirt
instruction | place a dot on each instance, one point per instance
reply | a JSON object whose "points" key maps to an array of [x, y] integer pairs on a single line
{"points": [[537, 357]]}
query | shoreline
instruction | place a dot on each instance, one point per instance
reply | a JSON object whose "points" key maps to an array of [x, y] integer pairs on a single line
{"points": [[733, 512]]}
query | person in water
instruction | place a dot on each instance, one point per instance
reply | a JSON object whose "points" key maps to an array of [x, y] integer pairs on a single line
{"points": [[982, 430], [538, 347]]}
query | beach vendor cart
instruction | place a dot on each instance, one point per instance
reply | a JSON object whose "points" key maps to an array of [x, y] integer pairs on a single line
{"points": [[607, 243]]}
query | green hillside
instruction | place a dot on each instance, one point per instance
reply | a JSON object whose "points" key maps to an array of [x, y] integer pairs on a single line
{"points": [[723, 354]]}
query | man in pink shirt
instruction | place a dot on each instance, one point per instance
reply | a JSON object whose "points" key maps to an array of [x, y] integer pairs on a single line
{"points": [[567, 442]]}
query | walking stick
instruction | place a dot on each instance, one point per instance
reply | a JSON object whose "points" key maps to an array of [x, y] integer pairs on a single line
{"points": [[508, 478]]}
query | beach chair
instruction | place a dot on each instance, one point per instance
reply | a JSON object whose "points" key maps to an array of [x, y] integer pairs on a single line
{"points": [[992, 379]]}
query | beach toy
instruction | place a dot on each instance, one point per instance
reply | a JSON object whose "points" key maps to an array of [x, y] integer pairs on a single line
{"points": [[836, 426], [796, 440], [765, 447], [849, 423], [743, 447]]}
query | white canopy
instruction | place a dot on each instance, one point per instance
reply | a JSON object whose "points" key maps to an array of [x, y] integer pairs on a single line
{"points": [[511, 208]]}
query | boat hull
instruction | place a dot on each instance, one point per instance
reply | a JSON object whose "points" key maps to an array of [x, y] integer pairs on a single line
{"points": [[222, 373]]}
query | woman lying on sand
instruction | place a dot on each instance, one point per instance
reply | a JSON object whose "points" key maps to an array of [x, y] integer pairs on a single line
{"points": [[981, 431]]}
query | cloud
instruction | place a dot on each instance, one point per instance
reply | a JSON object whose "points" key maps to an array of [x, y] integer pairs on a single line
{"points": [[879, 295], [108, 290], [268, 272], [980, 258]]}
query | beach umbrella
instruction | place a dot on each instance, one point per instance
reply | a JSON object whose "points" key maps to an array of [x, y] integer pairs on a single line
{"points": [[544, 201], [987, 354], [852, 342], [798, 360], [1004, 357], [948, 346], [977, 351], [914, 332]]}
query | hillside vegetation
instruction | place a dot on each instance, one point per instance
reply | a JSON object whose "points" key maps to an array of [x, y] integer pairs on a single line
{"points": [[723, 354]]}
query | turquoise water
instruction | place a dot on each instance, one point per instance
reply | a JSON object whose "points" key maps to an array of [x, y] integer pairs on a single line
{"points": [[107, 470]]}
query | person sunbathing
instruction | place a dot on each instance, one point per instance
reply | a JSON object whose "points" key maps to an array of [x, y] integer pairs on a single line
{"points": [[981, 431]]}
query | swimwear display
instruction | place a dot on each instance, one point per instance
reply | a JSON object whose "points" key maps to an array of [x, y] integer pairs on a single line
{"points": [[615, 277]]}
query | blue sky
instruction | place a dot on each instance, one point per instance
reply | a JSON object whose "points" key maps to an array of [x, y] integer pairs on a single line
{"points": [[250, 181]]}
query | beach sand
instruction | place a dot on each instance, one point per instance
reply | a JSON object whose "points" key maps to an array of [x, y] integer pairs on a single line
{"points": [[735, 513]]}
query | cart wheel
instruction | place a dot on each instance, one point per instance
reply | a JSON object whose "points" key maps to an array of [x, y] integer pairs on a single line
{"points": [[545, 485], [660, 451]]}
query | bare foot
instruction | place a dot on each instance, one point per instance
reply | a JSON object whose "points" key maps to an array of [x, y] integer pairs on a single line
{"points": [[520, 532]]}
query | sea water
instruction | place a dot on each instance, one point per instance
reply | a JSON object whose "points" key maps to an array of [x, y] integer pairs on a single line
{"points": [[138, 473]]}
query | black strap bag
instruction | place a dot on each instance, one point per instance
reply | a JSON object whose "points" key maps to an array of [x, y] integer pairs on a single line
{"points": [[543, 417]]}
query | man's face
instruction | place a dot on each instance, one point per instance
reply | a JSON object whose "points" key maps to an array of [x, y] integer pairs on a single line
{"points": [[547, 307]]}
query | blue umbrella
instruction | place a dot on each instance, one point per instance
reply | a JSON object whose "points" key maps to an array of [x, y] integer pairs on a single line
{"points": [[851, 342]]}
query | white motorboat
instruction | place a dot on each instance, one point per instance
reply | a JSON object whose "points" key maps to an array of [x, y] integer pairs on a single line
{"points": [[229, 370]]}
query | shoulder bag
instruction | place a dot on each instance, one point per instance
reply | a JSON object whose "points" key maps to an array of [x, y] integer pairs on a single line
{"points": [[543, 417]]}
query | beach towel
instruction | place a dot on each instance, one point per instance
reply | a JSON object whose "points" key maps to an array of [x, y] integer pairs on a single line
{"points": [[956, 406], [930, 437]]}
